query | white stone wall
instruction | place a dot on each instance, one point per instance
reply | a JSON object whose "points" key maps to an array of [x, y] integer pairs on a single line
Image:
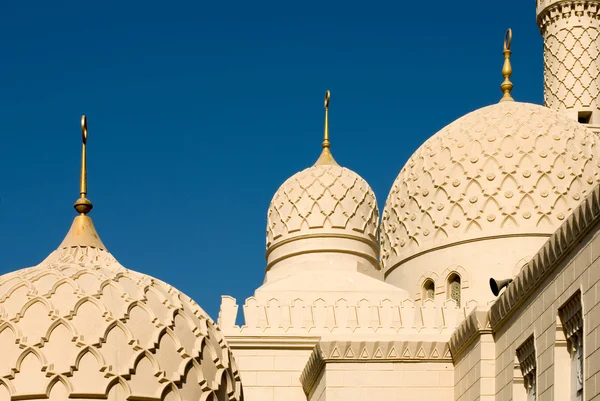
{"points": [[571, 32], [474, 377], [272, 374], [538, 317], [383, 381]]}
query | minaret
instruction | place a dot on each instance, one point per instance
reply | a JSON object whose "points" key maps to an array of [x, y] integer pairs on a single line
{"points": [[571, 32]]}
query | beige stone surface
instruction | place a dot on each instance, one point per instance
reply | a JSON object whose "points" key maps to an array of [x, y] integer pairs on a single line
{"points": [[80, 325], [382, 370], [571, 32], [503, 171], [322, 213]]}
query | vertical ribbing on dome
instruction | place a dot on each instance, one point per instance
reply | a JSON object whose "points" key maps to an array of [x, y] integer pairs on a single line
{"points": [[507, 86], [326, 157], [82, 231]]}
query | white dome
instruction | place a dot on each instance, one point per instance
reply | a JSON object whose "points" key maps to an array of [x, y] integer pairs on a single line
{"points": [[79, 324], [507, 170], [323, 198], [321, 213]]}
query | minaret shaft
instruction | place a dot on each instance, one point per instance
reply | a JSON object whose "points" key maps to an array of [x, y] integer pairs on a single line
{"points": [[571, 32]]}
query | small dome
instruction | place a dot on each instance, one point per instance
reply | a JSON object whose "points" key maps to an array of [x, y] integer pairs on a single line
{"points": [[323, 199], [510, 169], [80, 324], [324, 217]]}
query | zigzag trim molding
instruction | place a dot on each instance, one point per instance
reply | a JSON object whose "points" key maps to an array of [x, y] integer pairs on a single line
{"points": [[476, 324], [370, 352], [560, 244]]}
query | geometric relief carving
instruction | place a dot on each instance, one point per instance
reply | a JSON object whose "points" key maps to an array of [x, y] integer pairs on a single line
{"points": [[504, 169], [4, 393], [168, 358], [323, 196], [30, 378], [571, 48], [10, 352], [60, 349], [101, 330], [385, 317], [89, 322], [118, 351], [88, 377]]}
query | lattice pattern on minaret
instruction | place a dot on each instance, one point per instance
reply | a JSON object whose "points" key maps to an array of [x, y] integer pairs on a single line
{"points": [[571, 32]]}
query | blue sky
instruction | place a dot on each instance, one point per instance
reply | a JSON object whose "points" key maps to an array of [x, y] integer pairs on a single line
{"points": [[199, 110]]}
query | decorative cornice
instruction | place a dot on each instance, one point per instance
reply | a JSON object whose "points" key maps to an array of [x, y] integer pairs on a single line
{"points": [[370, 352], [373, 260], [571, 316], [372, 243], [272, 342], [307, 317], [526, 356], [560, 244], [553, 10], [476, 324]]}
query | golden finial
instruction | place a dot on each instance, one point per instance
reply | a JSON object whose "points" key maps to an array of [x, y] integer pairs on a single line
{"points": [[507, 86], [326, 143], [82, 232], [326, 156], [83, 205]]}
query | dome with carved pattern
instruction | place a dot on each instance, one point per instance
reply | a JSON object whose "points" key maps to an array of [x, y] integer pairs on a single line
{"points": [[80, 325], [323, 199], [510, 169]]}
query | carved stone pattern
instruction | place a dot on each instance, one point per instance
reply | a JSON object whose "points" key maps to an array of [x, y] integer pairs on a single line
{"points": [[319, 317], [370, 352], [79, 325], [503, 169], [476, 323], [571, 33], [571, 316], [568, 235], [526, 356], [324, 196]]}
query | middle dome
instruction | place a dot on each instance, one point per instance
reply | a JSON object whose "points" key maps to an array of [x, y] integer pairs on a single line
{"points": [[506, 170], [323, 217]]}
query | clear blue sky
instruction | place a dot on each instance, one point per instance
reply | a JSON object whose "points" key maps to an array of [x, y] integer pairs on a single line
{"points": [[199, 110]]}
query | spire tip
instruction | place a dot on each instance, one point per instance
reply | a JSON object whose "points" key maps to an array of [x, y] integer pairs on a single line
{"points": [[83, 204], [507, 86]]}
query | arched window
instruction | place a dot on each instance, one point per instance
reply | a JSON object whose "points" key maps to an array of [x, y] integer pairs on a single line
{"points": [[454, 288], [428, 289]]}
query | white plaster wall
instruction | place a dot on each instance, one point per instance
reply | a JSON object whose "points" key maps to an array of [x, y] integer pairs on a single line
{"points": [[474, 372], [272, 374], [581, 270], [385, 381], [474, 261]]}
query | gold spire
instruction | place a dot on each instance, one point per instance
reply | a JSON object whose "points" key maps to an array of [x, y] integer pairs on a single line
{"points": [[82, 232], [83, 204], [507, 86], [326, 157]]}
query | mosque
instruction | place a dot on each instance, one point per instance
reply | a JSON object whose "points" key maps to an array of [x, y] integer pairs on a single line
{"points": [[479, 281]]}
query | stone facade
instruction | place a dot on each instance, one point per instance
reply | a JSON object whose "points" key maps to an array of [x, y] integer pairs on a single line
{"points": [[571, 31], [508, 191]]}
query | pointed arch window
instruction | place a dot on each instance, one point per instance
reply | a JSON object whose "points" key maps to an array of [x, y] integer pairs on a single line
{"points": [[428, 289], [571, 316], [528, 364], [454, 288]]}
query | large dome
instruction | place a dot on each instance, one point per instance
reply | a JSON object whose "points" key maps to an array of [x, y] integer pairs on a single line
{"points": [[510, 169], [81, 325]]}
